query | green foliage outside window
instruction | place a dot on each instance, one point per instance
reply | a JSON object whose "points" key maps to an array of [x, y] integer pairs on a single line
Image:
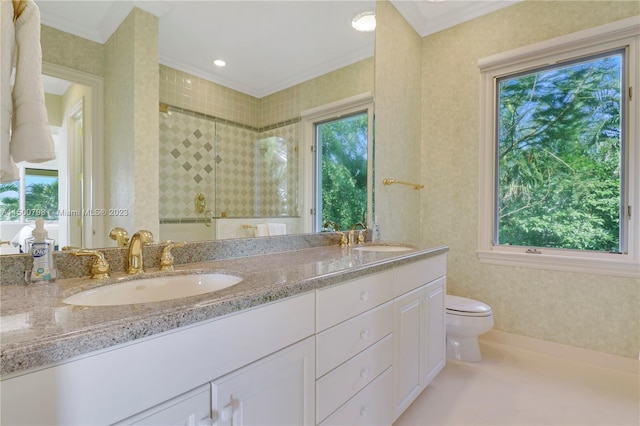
{"points": [[559, 156], [9, 202], [344, 170], [41, 197]]}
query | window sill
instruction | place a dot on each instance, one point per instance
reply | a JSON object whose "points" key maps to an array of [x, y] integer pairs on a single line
{"points": [[620, 267]]}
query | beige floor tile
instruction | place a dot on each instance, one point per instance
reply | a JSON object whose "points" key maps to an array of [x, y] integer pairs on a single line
{"points": [[511, 386]]}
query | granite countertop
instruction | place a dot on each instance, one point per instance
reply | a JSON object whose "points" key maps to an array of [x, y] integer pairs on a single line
{"points": [[37, 328]]}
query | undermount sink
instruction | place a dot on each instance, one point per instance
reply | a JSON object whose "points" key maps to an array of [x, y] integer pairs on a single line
{"points": [[384, 247], [153, 289]]}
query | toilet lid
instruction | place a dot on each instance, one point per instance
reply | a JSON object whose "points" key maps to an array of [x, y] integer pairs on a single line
{"points": [[461, 305]]}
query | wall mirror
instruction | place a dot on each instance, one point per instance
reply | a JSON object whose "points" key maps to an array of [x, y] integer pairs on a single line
{"points": [[269, 180]]}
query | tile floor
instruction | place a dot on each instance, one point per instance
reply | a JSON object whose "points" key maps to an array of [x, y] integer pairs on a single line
{"points": [[513, 386]]}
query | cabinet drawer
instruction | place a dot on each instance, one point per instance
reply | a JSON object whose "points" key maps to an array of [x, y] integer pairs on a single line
{"points": [[187, 409], [371, 406], [336, 387], [337, 344], [343, 301], [413, 275]]}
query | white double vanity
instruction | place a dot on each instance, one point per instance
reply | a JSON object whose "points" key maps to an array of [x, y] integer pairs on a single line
{"points": [[355, 351]]}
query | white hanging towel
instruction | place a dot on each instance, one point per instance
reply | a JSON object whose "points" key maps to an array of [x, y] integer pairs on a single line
{"points": [[31, 138], [277, 228], [262, 230], [8, 170], [19, 239]]}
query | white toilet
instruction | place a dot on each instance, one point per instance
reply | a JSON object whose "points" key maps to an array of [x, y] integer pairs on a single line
{"points": [[466, 319]]}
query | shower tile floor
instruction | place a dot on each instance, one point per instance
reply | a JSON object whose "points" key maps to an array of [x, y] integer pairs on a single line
{"points": [[513, 386]]}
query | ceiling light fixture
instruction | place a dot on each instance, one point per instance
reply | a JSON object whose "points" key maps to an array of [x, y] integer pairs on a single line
{"points": [[365, 21], [219, 63]]}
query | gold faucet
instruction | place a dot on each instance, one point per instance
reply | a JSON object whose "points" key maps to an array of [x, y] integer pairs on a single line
{"points": [[100, 266], [120, 236], [166, 260], [136, 243], [352, 232], [334, 225]]}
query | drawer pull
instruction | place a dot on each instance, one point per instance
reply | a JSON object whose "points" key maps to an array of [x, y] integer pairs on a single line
{"points": [[364, 373], [364, 296], [364, 334], [363, 410]]}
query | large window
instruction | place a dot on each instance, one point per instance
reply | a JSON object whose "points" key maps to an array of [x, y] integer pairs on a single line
{"points": [[559, 155]]}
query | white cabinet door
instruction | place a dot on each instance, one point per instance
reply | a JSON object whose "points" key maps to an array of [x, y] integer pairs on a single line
{"points": [[434, 346], [278, 390], [407, 327], [419, 339]]}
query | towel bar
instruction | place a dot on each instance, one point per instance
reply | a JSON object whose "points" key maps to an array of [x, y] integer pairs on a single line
{"points": [[392, 181]]}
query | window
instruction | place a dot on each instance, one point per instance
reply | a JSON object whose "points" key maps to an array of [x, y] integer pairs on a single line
{"points": [[39, 199], [338, 172], [559, 154], [341, 171]]}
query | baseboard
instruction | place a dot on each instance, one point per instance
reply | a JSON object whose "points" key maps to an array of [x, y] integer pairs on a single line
{"points": [[587, 356]]}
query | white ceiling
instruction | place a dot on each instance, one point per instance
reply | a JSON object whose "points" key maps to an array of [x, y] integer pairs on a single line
{"points": [[268, 45]]}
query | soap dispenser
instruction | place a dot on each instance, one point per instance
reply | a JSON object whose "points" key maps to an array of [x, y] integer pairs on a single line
{"points": [[41, 248]]}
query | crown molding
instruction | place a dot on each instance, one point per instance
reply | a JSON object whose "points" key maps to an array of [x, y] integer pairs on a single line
{"points": [[261, 92]]}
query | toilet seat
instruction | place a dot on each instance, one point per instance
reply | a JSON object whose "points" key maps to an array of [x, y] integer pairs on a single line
{"points": [[462, 306]]}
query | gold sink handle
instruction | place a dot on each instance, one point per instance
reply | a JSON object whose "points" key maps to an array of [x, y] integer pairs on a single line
{"points": [[119, 235], [100, 267], [166, 260], [343, 239]]}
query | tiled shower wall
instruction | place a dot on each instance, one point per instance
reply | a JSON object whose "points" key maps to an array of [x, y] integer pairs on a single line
{"points": [[187, 161], [208, 145], [224, 162]]}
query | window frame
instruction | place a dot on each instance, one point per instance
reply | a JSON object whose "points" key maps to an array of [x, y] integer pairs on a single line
{"points": [[348, 106], [318, 173], [624, 34]]}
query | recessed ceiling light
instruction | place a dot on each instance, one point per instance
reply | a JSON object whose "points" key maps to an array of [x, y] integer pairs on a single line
{"points": [[219, 63], [365, 21]]}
